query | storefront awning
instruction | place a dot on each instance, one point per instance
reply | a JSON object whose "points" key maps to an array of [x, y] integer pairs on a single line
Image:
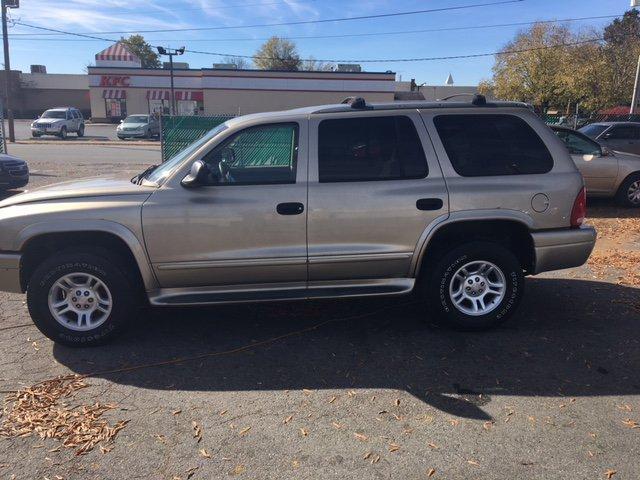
{"points": [[187, 95], [114, 94], [158, 95]]}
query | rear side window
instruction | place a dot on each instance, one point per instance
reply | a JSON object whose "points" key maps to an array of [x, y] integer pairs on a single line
{"points": [[370, 149], [624, 132], [485, 145]]}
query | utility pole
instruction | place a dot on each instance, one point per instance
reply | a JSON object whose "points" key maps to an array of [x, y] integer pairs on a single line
{"points": [[7, 69], [170, 53]]}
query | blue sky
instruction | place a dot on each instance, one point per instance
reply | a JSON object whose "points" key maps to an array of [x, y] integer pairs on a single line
{"points": [[63, 56]]}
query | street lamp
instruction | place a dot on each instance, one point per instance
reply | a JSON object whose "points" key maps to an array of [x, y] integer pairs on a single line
{"points": [[171, 53]]}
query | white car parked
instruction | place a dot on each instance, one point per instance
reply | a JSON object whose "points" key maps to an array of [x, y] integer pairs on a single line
{"points": [[59, 122]]}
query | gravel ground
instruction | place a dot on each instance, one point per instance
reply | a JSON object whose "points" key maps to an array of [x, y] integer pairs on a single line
{"points": [[360, 389]]}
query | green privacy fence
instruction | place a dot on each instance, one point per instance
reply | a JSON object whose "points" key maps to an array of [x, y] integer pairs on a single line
{"points": [[180, 132]]}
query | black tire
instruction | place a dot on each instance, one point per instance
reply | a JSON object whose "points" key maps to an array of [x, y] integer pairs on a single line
{"points": [[110, 271], [35, 135], [63, 133], [147, 134], [440, 281], [622, 196], [81, 131]]}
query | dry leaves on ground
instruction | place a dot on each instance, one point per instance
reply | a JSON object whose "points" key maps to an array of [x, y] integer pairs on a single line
{"points": [[39, 410], [625, 262]]}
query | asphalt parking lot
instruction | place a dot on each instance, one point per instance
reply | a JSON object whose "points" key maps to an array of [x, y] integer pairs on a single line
{"points": [[362, 389], [100, 132]]}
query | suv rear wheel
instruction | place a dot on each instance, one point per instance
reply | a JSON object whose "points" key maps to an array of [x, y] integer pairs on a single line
{"points": [[476, 286], [80, 299], [81, 131]]}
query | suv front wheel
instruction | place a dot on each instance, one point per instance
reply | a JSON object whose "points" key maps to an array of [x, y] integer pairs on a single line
{"points": [[80, 299], [476, 286]]}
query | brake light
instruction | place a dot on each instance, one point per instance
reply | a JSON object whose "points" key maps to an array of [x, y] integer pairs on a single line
{"points": [[579, 210]]}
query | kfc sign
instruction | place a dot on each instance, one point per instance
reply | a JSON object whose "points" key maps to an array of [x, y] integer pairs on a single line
{"points": [[114, 81]]}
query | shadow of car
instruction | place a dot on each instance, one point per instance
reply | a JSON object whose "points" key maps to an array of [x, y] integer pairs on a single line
{"points": [[574, 338]]}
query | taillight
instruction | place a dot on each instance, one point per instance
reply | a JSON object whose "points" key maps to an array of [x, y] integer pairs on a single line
{"points": [[579, 210]]}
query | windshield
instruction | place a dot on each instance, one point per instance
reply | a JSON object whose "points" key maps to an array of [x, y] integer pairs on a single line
{"points": [[593, 130], [160, 174], [137, 119], [54, 114]]}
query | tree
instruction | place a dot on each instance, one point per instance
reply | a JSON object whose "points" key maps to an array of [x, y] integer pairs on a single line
{"points": [[241, 63], [145, 52], [277, 54], [530, 68], [313, 65]]}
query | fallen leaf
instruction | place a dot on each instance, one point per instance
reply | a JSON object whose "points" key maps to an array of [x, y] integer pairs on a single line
{"points": [[197, 431], [432, 445], [431, 472], [176, 412], [361, 437], [375, 459], [295, 464], [610, 473], [397, 402], [244, 431], [190, 472], [204, 453], [488, 425], [394, 447], [631, 423], [304, 432], [223, 412], [473, 462], [367, 455], [333, 399], [239, 470], [288, 419], [336, 425], [307, 391]]}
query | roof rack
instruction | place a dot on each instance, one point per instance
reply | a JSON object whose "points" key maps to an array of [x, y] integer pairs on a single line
{"points": [[355, 102], [478, 100]]}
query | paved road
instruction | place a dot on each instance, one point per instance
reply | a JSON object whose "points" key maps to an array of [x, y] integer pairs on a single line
{"points": [[92, 132], [358, 389], [53, 163]]}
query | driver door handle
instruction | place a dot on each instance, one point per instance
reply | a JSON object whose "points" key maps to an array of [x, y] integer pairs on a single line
{"points": [[292, 208]]}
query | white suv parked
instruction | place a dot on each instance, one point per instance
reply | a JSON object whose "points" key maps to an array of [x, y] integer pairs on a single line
{"points": [[59, 122]]}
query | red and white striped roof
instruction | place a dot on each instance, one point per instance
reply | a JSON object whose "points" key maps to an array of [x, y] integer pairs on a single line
{"points": [[117, 52]]}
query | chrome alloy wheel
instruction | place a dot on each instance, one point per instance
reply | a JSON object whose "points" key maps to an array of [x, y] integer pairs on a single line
{"points": [[477, 288], [80, 302], [633, 193]]}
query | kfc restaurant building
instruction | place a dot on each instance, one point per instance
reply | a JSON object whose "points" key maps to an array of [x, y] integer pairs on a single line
{"points": [[119, 86]]}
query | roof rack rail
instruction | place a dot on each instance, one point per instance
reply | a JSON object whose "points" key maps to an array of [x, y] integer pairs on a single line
{"points": [[355, 102], [478, 99]]}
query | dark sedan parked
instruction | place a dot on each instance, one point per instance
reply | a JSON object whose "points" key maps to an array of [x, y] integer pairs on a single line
{"points": [[14, 173], [618, 136]]}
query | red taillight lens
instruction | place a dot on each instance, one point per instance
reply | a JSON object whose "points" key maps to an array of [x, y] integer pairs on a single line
{"points": [[579, 211]]}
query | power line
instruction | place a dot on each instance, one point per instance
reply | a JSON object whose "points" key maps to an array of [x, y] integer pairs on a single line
{"points": [[416, 59], [378, 60], [300, 22], [345, 35]]}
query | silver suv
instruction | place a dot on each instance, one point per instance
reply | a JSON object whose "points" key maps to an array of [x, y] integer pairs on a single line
{"points": [[59, 122], [453, 201]]}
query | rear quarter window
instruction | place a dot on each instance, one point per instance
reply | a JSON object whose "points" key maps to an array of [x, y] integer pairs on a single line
{"points": [[489, 145]]}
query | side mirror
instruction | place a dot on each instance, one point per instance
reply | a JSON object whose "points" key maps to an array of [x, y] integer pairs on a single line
{"points": [[196, 176], [605, 152], [122, 121]]}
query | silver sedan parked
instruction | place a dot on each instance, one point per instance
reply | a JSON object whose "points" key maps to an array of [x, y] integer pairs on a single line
{"points": [[606, 173]]}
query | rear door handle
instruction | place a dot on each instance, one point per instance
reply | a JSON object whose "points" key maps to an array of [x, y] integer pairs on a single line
{"points": [[292, 208], [429, 204]]}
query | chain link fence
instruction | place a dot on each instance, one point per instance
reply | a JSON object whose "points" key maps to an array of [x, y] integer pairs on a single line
{"points": [[580, 121], [177, 133]]}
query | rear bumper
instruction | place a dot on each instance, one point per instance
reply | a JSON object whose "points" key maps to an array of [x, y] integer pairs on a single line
{"points": [[10, 273], [558, 249]]}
